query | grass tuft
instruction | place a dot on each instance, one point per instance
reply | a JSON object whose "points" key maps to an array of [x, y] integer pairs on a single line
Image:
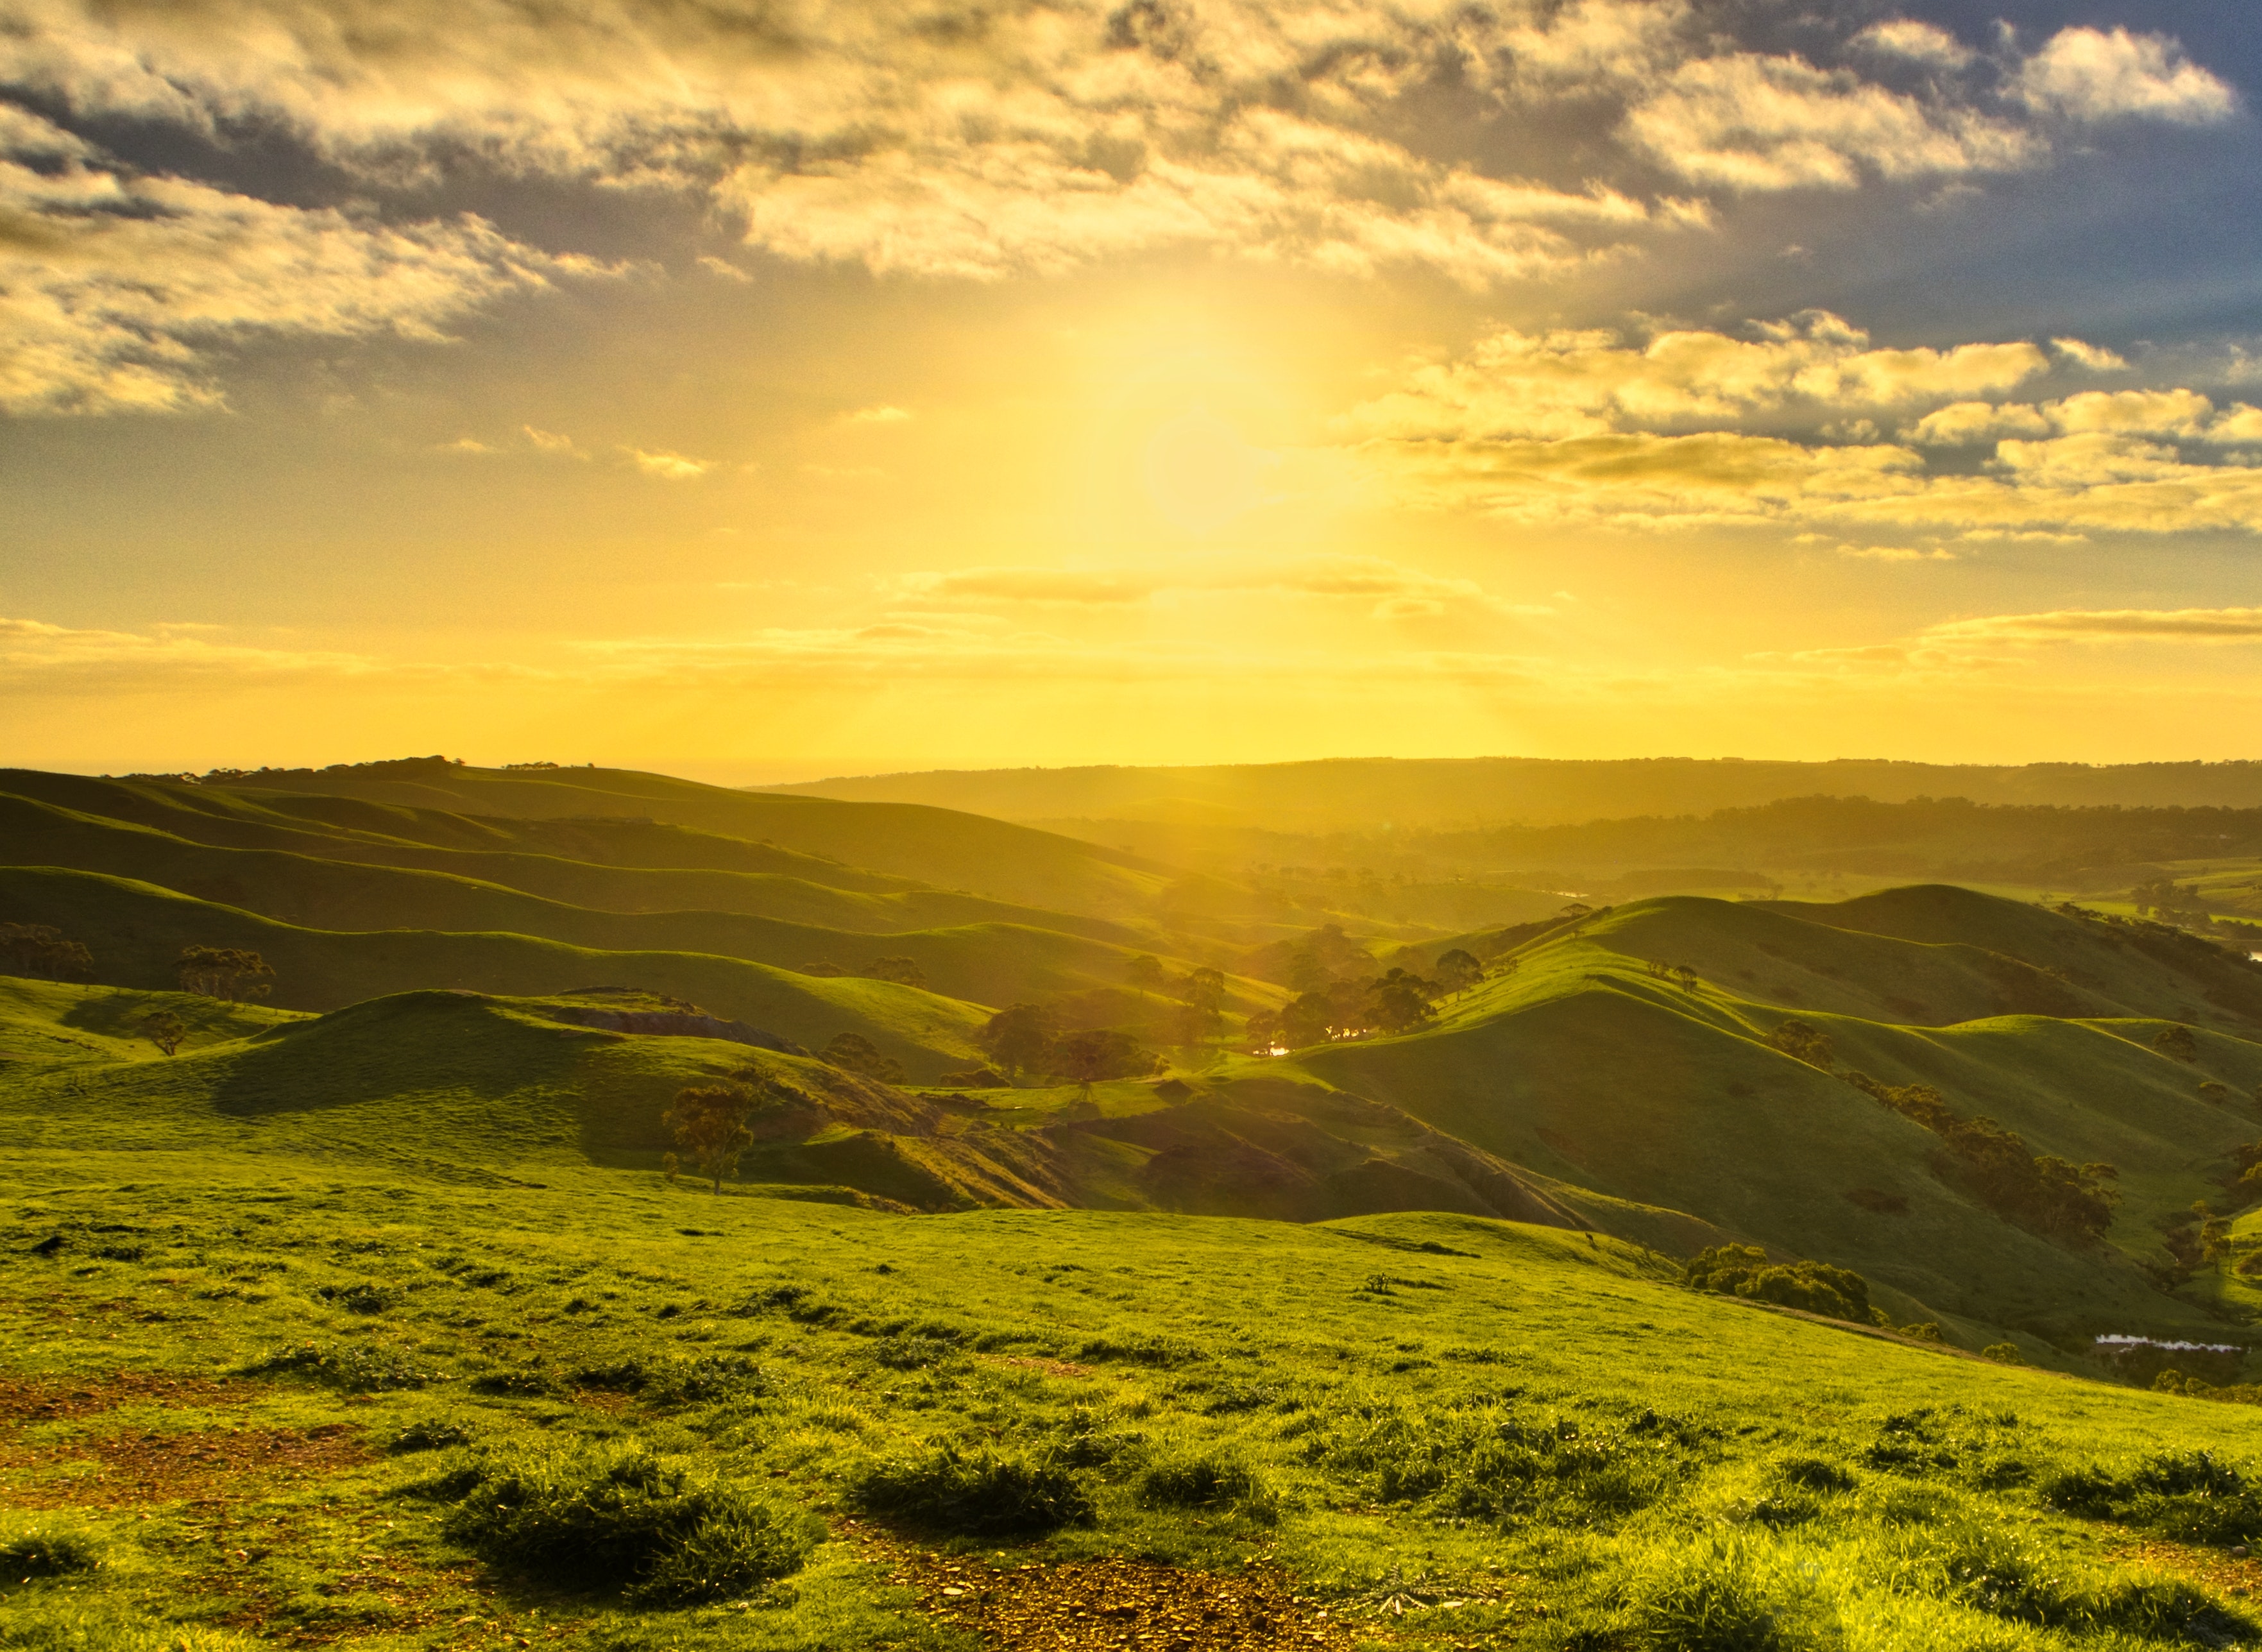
{"points": [[1211, 1480], [619, 1518], [977, 1494], [47, 1552], [356, 1368]]}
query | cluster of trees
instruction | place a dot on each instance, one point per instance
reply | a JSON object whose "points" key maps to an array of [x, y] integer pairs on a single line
{"points": [[1328, 1007], [1815, 1288], [1199, 995], [901, 972], [44, 951], [1029, 1041], [852, 1052], [1680, 974], [229, 973], [2042, 1192]]}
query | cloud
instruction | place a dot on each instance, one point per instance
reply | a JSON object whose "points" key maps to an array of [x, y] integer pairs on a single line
{"points": [[2180, 624], [877, 415], [668, 467], [2089, 74], [1571, 383], [1399, 592], [116, 289], [1964, 423], [2094, 358], [1755, 123], [1918, 42], [968, 141], [38, 657]]}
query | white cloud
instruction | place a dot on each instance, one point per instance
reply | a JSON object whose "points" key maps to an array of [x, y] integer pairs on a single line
{"points": [[1918, 42], [877, 415], [668, 467], [115, 289], [2096, 358], [2180, 624], [1964, 423], [2091, 75]]}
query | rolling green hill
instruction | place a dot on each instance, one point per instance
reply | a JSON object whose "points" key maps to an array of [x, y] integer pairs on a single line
{"points": [[936, 845]]}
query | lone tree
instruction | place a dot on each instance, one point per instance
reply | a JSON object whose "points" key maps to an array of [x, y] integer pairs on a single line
{"points": [[1203, 993], [901, 972], [1086, 1058], [1145, 973], [225, 972], [1459, 971], [852, 1052], [1018, 1037], [1307, 1020], [42, 949], [164, 1029], [709, 1122]]}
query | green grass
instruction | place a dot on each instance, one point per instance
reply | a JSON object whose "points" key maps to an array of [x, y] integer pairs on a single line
{"points": [[1521, 1436]]}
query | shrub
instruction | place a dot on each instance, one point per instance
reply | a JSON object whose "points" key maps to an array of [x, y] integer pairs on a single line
{"points": [[1212, 1480], [46, 1552], [619, 1520], [2003, 1353], [1815, 1288], [1813, 1473], [1716, 1600], [428, 1433], [356, 1367], [976, 1494]]}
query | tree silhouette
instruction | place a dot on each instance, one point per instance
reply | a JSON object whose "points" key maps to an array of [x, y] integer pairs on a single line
{"points": [[852, 1052], [41, 949], [901, 972], [1086, 1058], [1145, 973], [225, 972], [1307, 1020], [164, 1029], [1203, 993], [1018, 1037], [1459, 971], [709, 1122]]}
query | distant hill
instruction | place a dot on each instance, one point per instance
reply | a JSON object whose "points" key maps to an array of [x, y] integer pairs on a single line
{"points": [[1470, 793]]}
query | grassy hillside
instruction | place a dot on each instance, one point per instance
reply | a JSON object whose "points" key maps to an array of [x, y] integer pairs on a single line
{"points": [[1583, 1064], [936, 845], [255, 1401], [136, 931], [995, 963]]}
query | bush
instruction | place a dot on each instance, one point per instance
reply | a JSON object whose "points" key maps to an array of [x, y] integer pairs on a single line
{"points": [[1213, 1480], [2002, 1353], [428, 1433], [619, 1520], [356, 1368], [1716, 1601], [46, 1552], [1814, 1287], [977, 1494]]}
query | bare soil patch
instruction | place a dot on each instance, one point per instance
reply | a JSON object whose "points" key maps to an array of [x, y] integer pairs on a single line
{"points": [[1085, 1605], [146, 1466], [59, 1399]]}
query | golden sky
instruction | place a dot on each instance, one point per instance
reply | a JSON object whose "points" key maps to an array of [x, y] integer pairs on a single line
{"points": [[767, 390]]}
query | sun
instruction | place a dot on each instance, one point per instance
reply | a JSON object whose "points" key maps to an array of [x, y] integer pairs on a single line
{"points": [[1201, 472]]}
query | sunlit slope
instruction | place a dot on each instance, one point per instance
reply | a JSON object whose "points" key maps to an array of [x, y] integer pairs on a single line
{"points": [[485, 1088], [1583, 1066], [616, 865], [990, 962], [2147, 970], [937, 846], [136, 930], [54, 1022]]}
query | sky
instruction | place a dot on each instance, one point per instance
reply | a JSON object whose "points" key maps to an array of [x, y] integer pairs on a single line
{"points": [[769, 389]]}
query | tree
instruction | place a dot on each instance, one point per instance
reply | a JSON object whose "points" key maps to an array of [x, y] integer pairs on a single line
{"points": [[852, 1052], [1804, 1041], [1145, 973], [1018, 1037], [164, 1029], [1399, 1001], [1203, 990], [41, 949], [1086, 1058], [1457, 970], [2177, 1043], [225, 972], [901, 972], [709, 1122], [1262, 1031], [1306, 973], [1307, 1020]]}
